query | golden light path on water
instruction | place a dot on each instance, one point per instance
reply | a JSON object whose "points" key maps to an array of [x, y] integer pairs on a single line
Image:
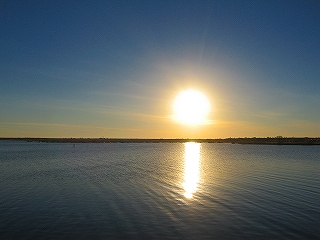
{"points": [[192, 164]]}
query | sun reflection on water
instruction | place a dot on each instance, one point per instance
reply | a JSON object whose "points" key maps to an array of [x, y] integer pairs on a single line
{"points": [[192, 164]]}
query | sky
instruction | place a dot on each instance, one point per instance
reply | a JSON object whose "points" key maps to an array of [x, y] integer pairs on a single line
{"points": [[113, 68]]}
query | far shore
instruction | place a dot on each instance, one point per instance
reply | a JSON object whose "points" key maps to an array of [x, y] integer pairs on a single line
{"points": [[266, 141]]}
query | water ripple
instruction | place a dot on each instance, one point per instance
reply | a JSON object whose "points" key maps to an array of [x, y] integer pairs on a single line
{"points": [[55, 191]]}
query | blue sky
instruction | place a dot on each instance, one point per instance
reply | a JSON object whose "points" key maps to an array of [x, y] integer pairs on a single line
{"points": [[113, 68]]}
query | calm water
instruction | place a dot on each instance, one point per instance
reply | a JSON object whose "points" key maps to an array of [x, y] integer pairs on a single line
{"points": [[158, 190]]}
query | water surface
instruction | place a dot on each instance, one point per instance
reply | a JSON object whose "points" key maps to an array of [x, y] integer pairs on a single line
{"points": [[158, 190]]}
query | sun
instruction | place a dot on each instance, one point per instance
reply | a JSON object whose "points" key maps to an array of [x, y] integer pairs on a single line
{"points": [[191, 107]]}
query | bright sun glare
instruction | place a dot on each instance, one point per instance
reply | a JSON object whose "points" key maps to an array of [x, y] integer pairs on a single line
{"points": [[192, 163], [191, 107]]}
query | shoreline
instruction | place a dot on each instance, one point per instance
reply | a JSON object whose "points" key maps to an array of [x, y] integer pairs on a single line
{"points": [[257, 141]]}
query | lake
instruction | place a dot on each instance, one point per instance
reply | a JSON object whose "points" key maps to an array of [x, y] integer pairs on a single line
{"points": [[158, 191]]}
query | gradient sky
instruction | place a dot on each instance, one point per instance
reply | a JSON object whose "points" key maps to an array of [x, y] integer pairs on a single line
{"points": [[113, 68]]}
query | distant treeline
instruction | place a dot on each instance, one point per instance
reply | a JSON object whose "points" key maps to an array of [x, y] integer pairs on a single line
{"points": [[269, 140]]}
